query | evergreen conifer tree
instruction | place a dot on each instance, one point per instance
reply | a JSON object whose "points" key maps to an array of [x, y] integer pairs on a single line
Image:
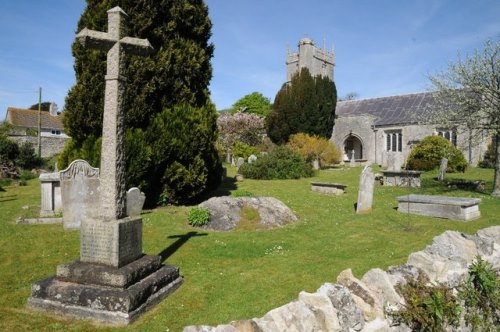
{"points": [[177, 73], [306, 105]]}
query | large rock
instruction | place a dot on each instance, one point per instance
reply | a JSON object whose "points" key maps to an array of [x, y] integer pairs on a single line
{"points": [[447, 258], [350, 316], [491, 236], [295, 316], [378, 282], [225, 212], [323, 308], [366, 300]]}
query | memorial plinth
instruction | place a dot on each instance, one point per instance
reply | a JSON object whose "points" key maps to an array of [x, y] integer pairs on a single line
{"points": [[405, 178], [113, 282]]}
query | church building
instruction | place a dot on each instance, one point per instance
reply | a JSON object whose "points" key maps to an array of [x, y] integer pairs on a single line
{"points": [[382, 130]]}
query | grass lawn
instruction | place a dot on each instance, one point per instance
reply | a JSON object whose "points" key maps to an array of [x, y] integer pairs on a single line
{"points": [[241, 274]]}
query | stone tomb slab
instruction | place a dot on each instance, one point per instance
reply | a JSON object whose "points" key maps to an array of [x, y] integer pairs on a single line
{"points": [[115, 243], [336, 189], [456, 208]]}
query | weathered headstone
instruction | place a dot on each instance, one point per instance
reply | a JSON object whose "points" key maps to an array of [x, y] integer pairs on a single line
{"points": [[352, 161], [365, 192], [315, 163], [113, 281], [80, 193], [51, 202], [135, 202], [252, 158], [240, 162], [442, 169]]}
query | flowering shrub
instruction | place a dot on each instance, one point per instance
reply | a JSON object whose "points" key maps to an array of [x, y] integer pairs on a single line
{"points": [[244, 127]]}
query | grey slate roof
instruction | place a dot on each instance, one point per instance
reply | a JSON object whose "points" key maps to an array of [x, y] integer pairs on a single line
{"points": [[393, 110]]}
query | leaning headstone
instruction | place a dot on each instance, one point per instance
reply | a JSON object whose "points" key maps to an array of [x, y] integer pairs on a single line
{"points": [[365, 193], [442, 169], [252, 158], [113, 282], [80, 193], [135, 202], [51, 201]]}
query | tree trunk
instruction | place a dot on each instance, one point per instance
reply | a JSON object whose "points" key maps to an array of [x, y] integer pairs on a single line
{"points": [[496, 180]]}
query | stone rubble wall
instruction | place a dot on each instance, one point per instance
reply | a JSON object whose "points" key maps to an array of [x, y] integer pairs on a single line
{"points": [[50, 145], [359, 304]]}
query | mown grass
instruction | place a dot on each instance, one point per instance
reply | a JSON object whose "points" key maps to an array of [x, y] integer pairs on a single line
{"points": [[240, 274]]}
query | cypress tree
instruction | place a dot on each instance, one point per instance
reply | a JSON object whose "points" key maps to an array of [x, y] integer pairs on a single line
{"points": [[177, 73], [306, 105]]}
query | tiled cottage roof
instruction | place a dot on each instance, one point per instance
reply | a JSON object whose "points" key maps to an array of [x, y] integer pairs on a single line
{"points": [[20, 117], [394, 110]]}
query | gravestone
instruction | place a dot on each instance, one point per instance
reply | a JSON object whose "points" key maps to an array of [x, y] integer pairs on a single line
{"points": [[442, 169], [352, 161], [365, 192], [51, 201], [80, 193], [252, 158], [240, 162], [135, 202], [113, 282]]}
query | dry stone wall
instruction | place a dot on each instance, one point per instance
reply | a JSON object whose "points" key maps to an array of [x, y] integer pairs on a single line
{"points": [[360, 304]]}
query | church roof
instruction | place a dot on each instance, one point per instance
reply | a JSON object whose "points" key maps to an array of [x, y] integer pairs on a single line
{"points": [[393, 110], [26, 118]]}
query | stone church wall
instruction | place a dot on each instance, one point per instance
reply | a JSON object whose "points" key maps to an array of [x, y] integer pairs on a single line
{"points": [[374, 140]]}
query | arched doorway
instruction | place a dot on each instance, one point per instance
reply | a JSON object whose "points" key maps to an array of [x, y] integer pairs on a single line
{"points": [[353, 143]]}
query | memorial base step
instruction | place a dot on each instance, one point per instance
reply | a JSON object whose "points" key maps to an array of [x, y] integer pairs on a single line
{"points": [[104, 294]]}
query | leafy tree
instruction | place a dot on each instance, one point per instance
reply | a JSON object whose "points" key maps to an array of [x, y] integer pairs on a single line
{"points": [[350, 96], [427, 155], [468, 93], [177, 73], [45, 106], [313, 148], [305, 105], [254, 103], [244, 127]]}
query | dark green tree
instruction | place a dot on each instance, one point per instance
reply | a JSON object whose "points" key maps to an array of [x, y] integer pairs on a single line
{"points": [[177, 73], [306, 105], [254, 103], [45, 106]]}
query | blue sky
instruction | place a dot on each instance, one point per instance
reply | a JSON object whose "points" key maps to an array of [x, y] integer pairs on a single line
{"points": [[381, 47]]}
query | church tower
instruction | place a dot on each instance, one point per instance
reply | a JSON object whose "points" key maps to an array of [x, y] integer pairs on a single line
{"points": [[320, 62]]}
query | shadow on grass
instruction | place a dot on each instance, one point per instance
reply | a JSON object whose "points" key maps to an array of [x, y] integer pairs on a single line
{"points": [[224, 189], [181, 240]]}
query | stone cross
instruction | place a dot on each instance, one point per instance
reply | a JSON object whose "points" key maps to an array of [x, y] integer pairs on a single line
{"points": [[112, 177]]}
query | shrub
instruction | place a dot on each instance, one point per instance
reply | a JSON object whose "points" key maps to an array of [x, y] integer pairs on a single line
{"points": [[198, 216], [427, 307], [481, 296], [9, 150], [312, 148], [281, 163], [427, 155], [27, 159], [243, 150], [489, 157]]}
